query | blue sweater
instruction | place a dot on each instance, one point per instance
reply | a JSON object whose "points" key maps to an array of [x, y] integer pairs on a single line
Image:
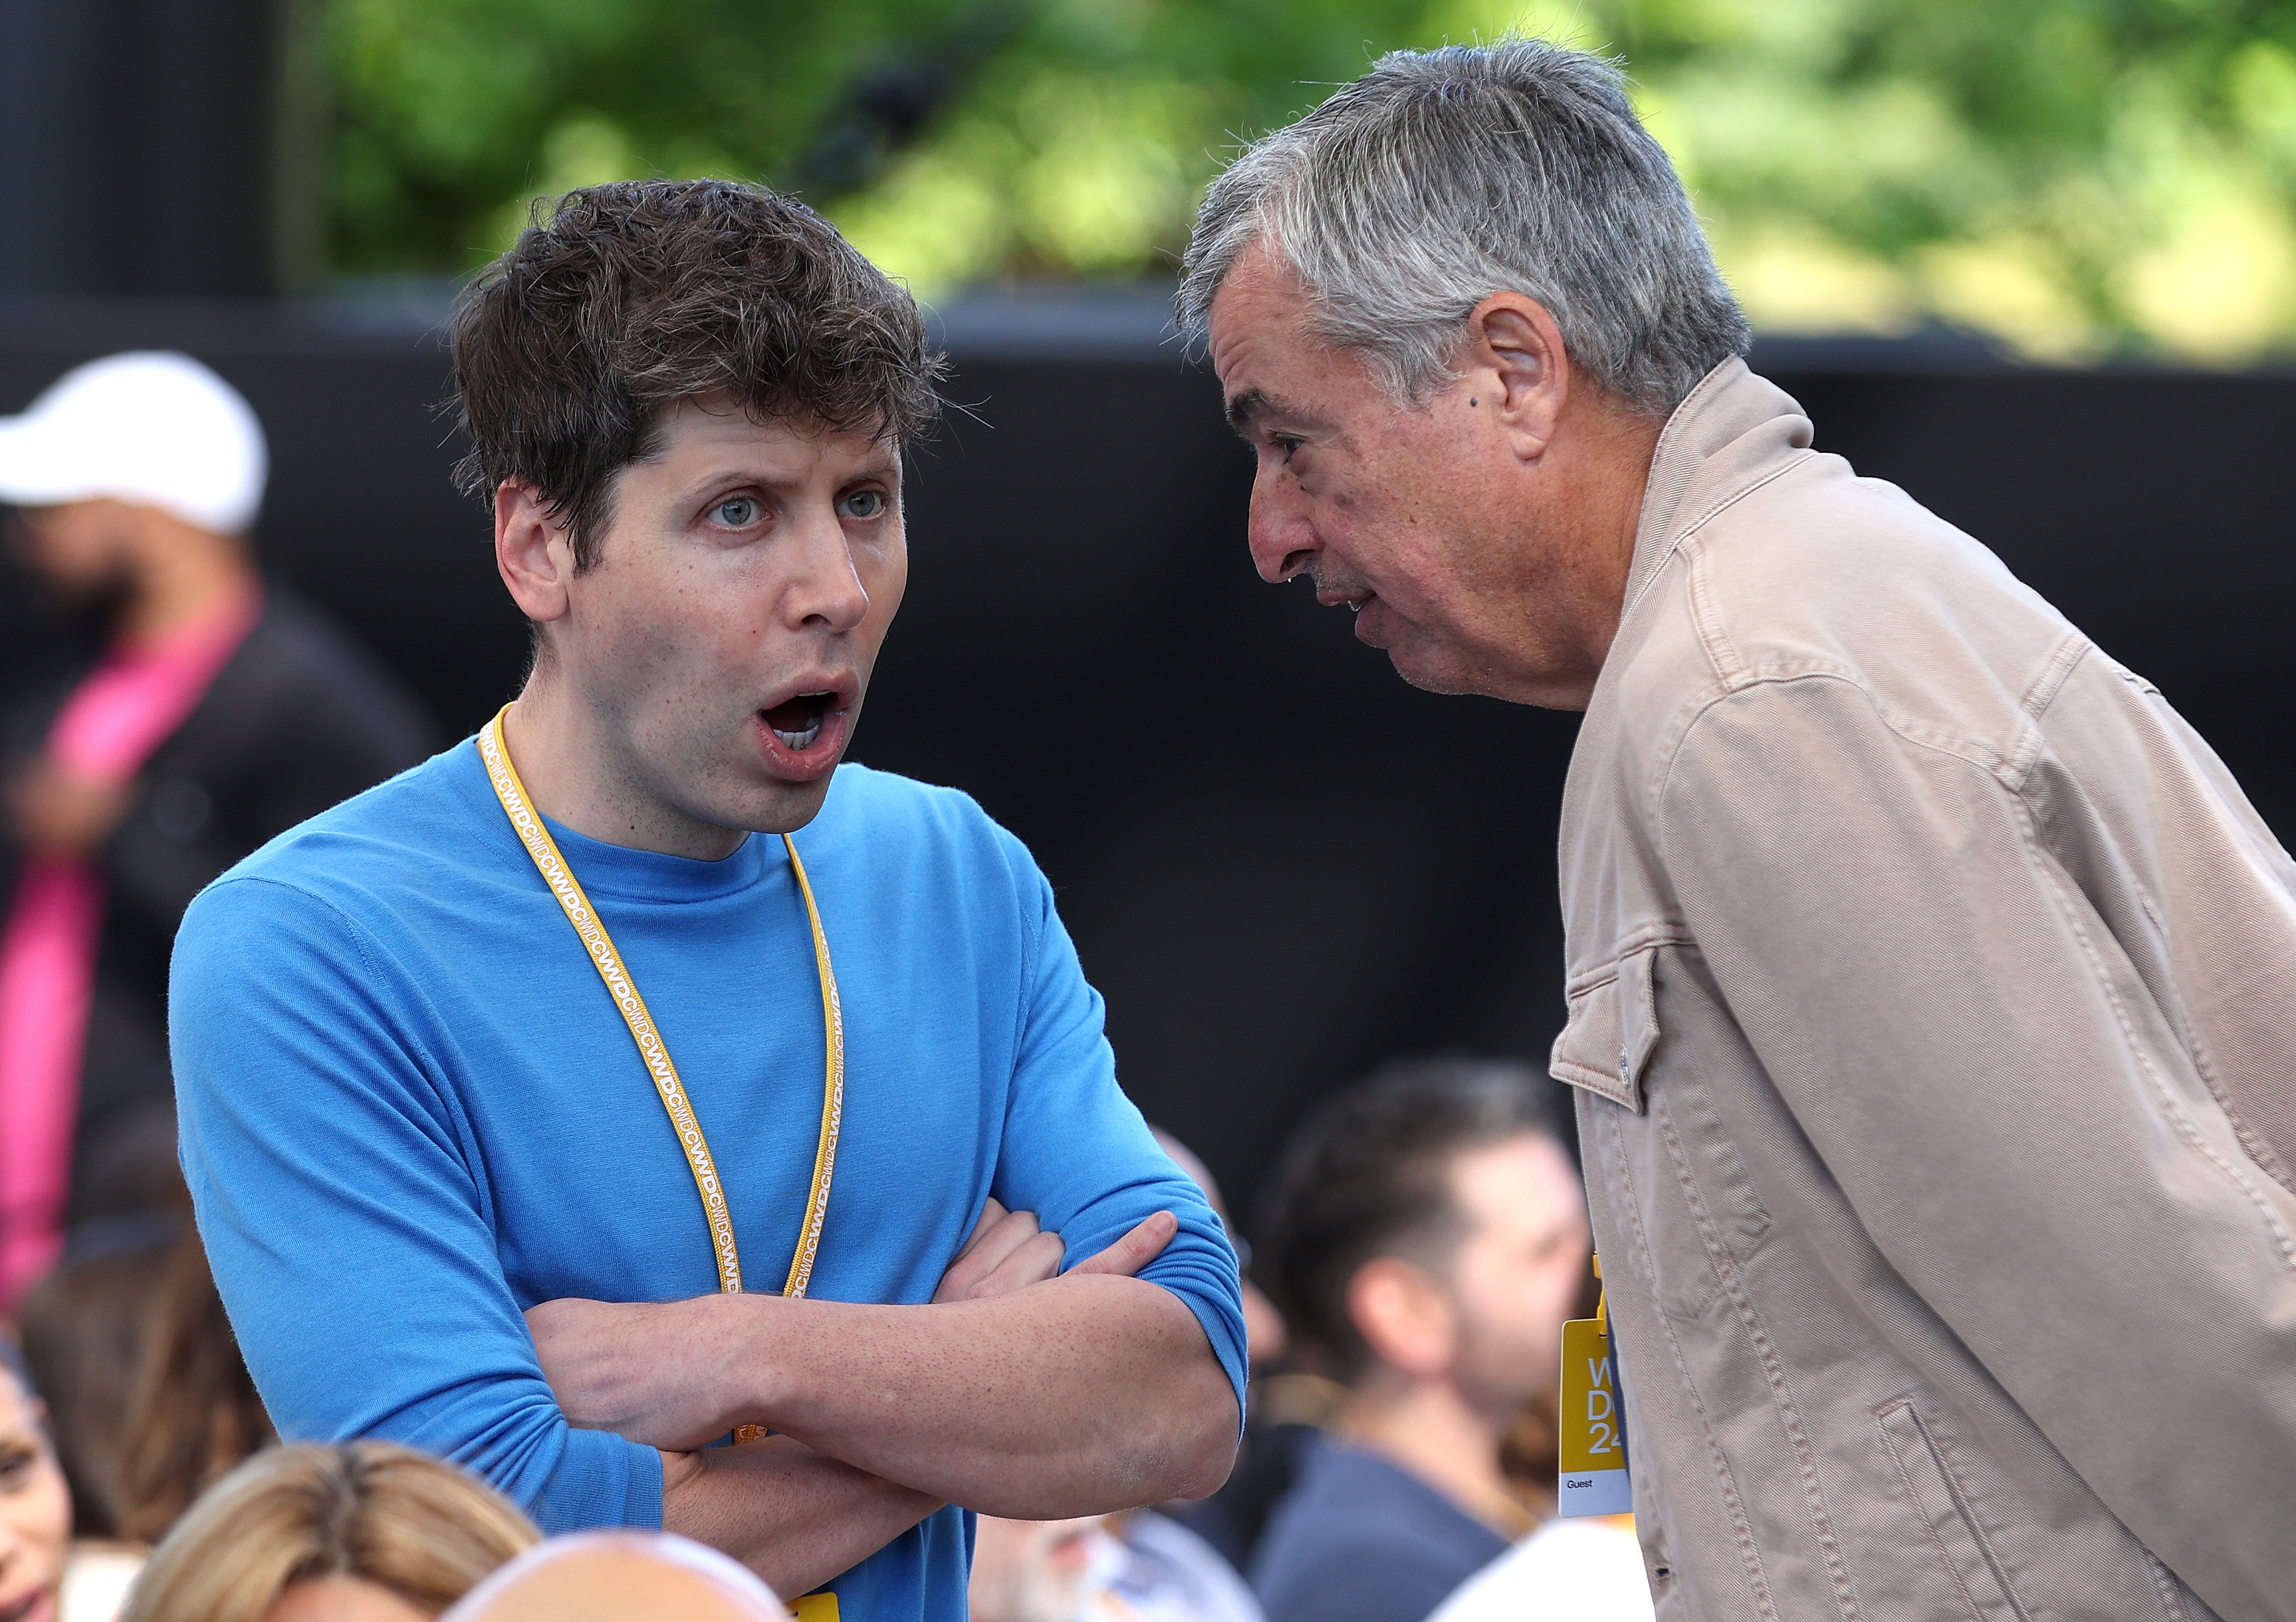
{"points": [[409, 1110]]}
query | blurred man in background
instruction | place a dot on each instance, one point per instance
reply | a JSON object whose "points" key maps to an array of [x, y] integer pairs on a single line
{"points": [[1932, 985], [217, 714], [1428, 1237]]}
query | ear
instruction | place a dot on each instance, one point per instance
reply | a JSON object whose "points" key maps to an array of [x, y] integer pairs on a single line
{"points": [[533, 552], [1513, 357], [1405, 1316]]}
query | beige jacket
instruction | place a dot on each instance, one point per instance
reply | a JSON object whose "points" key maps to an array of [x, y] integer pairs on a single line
{"points": [[1933, 1011]]}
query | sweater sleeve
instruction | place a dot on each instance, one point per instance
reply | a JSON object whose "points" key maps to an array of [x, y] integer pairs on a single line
{"points": [[351, 1241], [1076, 1152], [2015, 1121]]}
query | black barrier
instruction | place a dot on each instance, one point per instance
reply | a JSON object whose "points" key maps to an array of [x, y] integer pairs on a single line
{"points": [[1281, 864]]}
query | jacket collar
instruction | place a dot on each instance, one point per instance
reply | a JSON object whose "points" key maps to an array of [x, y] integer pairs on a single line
{"points": [[1730, 433]]}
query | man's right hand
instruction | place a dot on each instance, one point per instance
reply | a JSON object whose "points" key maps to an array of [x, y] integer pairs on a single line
{"points": [[1005, 1251]]}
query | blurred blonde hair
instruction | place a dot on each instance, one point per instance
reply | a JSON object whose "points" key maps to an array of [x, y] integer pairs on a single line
{"points": [[398, 1519]]}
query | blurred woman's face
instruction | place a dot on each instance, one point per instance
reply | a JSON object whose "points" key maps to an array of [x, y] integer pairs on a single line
{"points": [[35, 1512]]}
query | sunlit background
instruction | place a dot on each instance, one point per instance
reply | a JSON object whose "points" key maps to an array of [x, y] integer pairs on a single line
{"points": [[2072, 178]]}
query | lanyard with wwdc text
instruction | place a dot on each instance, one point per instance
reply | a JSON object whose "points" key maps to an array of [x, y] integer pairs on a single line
{"points": [[615, 973]]}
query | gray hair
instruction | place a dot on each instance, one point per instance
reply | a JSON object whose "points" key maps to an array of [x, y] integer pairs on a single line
{"points": [[1443, 177]]}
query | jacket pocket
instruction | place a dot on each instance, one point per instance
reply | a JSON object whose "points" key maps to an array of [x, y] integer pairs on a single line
{"points": [[1613, 1027], [1942, 1507]]}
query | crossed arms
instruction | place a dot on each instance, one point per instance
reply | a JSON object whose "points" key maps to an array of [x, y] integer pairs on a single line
{"points": [[1015, 1392], [376, 1227]]}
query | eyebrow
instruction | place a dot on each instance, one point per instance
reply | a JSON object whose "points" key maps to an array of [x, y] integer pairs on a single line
{"points": [[1253, 404]]}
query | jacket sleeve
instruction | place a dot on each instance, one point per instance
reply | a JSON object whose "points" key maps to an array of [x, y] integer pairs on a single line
{"points": [[2004, 1104], [1075, 1151], [350, 1240]]}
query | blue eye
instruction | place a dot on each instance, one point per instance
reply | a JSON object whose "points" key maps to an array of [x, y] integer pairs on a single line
{"points": [[866, 503], [738, 514]]}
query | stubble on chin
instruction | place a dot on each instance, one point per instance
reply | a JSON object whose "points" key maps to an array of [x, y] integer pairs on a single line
{"points": [[756, 803]]}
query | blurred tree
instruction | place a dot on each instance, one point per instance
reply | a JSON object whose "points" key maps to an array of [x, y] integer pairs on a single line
{"points": [[2073, 175]]}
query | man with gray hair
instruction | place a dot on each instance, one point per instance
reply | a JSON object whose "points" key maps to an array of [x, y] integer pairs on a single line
{"points": [[1931, 985]]}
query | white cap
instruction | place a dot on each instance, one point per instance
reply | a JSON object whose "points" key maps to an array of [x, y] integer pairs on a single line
{"points": [[157, 428]]}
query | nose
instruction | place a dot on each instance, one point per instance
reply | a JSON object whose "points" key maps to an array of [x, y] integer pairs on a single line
{"points": [[1282, 538], [826, 593]]}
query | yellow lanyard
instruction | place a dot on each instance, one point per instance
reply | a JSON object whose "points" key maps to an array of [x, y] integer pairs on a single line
{"points": [[603, 956]]}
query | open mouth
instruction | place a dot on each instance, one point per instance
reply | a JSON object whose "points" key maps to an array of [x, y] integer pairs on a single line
{"points": [[797, 721], [802, 736]]}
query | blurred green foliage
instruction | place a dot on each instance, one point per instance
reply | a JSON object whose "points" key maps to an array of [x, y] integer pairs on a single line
{"points": [[2074, 176]]}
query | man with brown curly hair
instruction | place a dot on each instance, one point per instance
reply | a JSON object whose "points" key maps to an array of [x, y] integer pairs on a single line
{"points": [[630, 1075]]}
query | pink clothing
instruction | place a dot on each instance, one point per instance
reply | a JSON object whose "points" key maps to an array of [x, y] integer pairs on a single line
{"points": [[108, 728]]}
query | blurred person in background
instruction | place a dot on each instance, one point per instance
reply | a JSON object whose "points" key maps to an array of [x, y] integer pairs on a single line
{"points": [[687, 403], [1427, 1237], [193, 1413], [148, 1398], [359, 1532], [1046, 1570], [1931, 983], [45, 1575], [1137, 1566], [217, 714], [83, 1327], [623, 1576]]}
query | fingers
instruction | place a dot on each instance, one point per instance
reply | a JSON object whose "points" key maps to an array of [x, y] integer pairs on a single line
{"points": [[991, 1214], [1008, 1252], [992, 1245], [1144, 1244], [1030, 1264]]}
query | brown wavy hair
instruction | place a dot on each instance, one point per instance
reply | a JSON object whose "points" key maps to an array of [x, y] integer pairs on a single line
{"points": [[388, 1515], [192, 1411], [622, 300]]}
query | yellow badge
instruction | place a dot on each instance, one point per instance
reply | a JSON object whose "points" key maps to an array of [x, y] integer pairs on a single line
{"points": [[815, 1608], [1593, 1480]]}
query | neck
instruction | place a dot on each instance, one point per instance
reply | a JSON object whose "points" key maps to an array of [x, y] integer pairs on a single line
{"points": [[578, 774], [1610, 495], [1591, 525], [1427, 1427], [175, 584]]}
